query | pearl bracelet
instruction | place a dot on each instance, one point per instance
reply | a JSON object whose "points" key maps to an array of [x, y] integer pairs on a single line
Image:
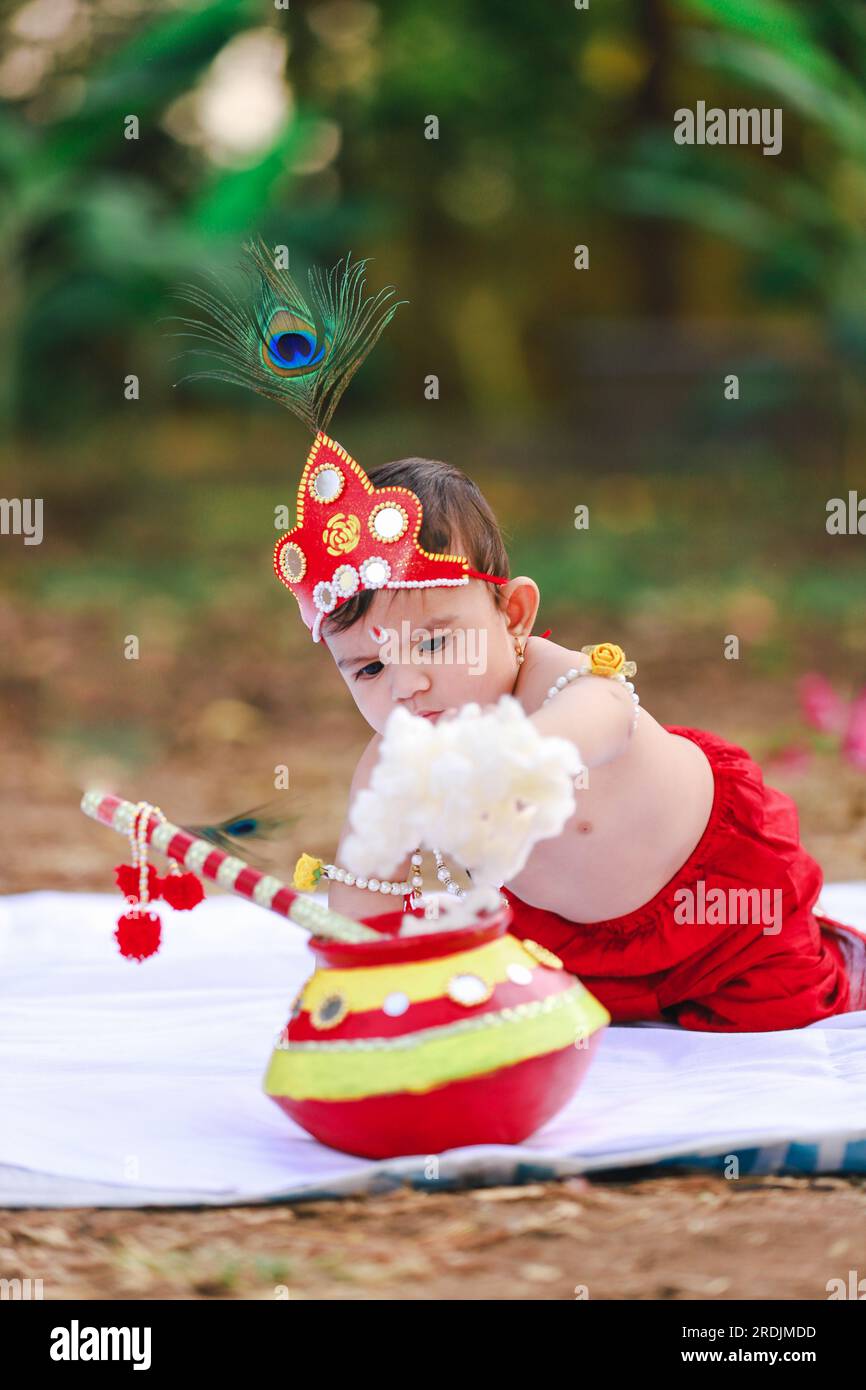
{"points": [[373, 885], [401, 889], [573, 674]]}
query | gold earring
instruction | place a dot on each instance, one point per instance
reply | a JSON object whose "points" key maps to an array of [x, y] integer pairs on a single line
{"points": [[517, 647]]}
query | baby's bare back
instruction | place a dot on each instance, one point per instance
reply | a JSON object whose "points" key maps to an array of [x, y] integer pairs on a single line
{"points": [[635, 825]]}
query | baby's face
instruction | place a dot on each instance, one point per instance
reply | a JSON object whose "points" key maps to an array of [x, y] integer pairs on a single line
{"points": [[428, 650]]}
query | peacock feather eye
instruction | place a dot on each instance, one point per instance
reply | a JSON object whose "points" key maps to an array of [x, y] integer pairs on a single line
{"points": [[299, 345], [245, 825], [290, 344]]}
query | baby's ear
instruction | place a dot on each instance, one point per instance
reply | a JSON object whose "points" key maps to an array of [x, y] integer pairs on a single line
{"points": [[522, 600]]}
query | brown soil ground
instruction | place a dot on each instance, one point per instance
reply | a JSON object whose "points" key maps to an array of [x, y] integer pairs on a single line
{"points": [[687, 1237], [629, 1236]]}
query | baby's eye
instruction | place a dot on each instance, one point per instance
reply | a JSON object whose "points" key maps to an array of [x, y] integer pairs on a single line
{"points": [[429, 646], [372, 674]]}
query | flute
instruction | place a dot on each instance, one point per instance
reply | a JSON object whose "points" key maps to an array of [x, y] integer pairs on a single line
{"points": [[229, 872]]}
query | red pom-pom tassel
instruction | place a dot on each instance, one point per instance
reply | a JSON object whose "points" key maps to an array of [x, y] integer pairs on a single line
{"points": [[138, 934], [181, 891], [128, 880]]}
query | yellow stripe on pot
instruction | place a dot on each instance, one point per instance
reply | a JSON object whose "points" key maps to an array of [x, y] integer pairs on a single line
{"points": [[350, 1069], [367, 987]]}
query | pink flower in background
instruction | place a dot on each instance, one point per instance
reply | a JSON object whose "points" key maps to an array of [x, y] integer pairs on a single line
{"points": [[822, 708], [827, 711], [854, 746]]}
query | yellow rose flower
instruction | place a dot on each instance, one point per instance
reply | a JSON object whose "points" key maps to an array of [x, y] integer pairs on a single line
{"points": [[342, 533], [308, 871], [607, 659]]}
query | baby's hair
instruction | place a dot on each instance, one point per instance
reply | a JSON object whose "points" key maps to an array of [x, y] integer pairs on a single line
{"points": [[457, 519]]}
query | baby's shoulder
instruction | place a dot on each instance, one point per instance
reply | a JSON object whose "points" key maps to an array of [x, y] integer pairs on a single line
{"points": [[544, 663]]}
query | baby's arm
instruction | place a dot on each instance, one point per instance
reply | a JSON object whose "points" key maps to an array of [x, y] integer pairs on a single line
{"points": [[646, 803], [595, 712], [346, 898]]}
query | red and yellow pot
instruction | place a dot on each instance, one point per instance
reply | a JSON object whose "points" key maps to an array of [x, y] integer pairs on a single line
{"points": [[414, 1045]]}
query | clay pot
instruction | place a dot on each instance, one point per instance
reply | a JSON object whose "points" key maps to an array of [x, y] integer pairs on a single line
{"points": [[417, 1044]]}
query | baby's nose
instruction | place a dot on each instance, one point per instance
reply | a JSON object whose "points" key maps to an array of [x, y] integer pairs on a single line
{"points": [[407, 680]]}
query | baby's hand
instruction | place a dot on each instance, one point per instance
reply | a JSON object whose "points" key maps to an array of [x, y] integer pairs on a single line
{"points": [[481, 786]]}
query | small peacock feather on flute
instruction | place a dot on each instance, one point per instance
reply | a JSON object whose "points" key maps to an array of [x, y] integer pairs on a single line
{"points": [[198, 856]]}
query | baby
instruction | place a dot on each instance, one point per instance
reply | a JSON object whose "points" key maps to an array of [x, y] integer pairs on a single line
{"points": [[678, 891]]}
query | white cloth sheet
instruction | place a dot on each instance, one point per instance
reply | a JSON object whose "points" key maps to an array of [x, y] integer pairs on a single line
{"points": [[125, 1084]]}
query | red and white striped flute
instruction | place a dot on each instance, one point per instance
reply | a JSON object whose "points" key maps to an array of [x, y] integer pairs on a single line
{"points": [[230, 873]]}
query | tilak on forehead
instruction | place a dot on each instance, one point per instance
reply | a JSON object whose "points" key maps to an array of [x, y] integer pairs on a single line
{"points": [[302, 352]]}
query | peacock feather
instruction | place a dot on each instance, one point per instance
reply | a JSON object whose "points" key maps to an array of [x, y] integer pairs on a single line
{"points": [[263, 823], [300, 350]]}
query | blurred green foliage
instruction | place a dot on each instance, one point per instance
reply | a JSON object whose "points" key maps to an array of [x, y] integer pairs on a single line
{"points": [[555, 128]]}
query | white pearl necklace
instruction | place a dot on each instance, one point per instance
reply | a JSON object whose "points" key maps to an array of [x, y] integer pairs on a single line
{"points": [[444, 876], [573, 674]]}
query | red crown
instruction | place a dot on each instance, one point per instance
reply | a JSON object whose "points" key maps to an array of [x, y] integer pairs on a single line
{"points": [[352, 536]]}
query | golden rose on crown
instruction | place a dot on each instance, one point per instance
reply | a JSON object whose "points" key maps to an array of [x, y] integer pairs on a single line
{"points": [[377, 527]]}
